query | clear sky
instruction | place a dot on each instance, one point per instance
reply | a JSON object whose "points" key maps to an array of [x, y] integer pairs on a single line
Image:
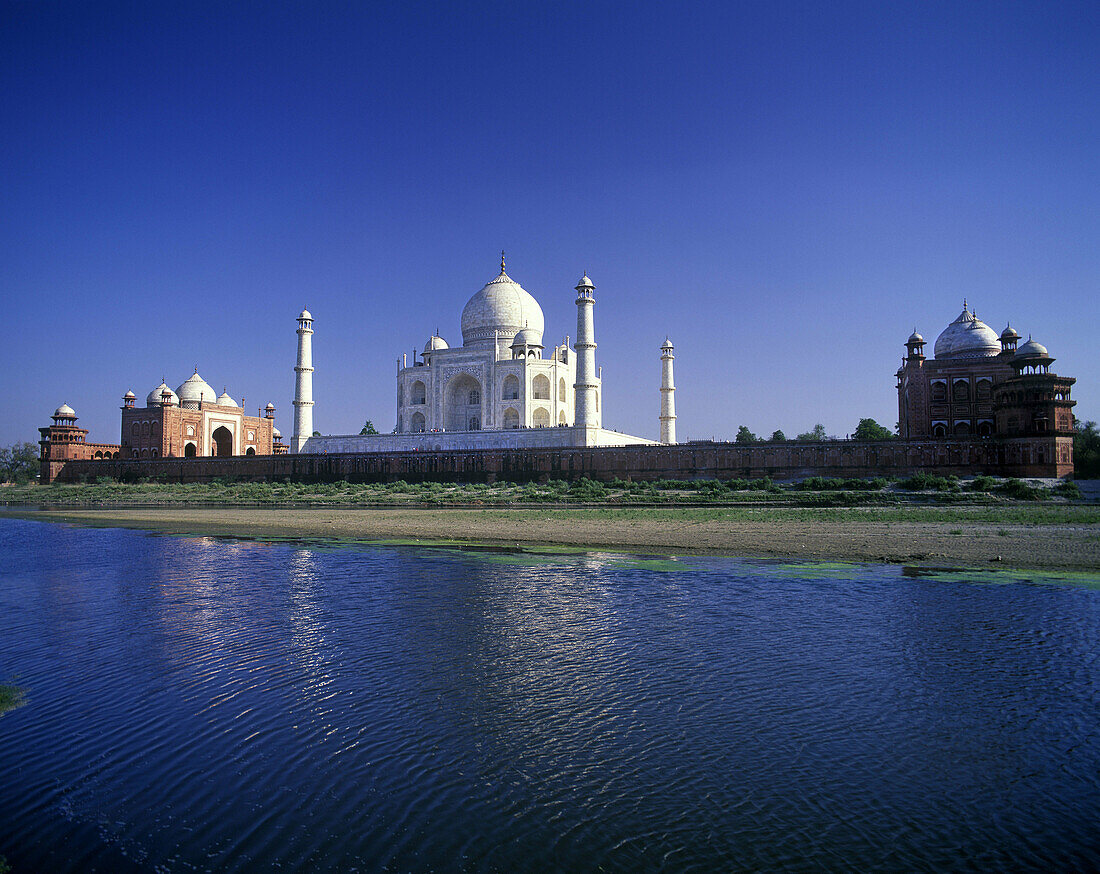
{"points": [[785, 189]]}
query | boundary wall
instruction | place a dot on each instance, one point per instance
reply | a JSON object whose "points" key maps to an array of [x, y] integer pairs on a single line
{"points": [[1028, 457]]}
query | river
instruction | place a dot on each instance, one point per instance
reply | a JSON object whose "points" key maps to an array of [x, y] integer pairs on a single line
{"points": [[199, 704]]}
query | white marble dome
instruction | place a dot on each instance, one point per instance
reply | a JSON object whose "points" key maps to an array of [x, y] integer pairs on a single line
{"points": [[196, 389], [225, 400], [502, 308], [435, 342], [64, 412], [154, 399], [967, 337], [528, 337]]}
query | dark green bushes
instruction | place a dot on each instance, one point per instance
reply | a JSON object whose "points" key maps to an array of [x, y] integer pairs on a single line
{"points": [[830, 484], [929, 482]]}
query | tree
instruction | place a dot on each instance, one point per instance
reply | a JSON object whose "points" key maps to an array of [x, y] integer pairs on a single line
{"points": [[368, 428], [316, 433], [744, 435], [818, 433], [18, 462], [1086, 450], [778, 436], [869, 429]]}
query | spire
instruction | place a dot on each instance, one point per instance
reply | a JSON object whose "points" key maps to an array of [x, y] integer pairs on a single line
{"points": [[502, 262]]}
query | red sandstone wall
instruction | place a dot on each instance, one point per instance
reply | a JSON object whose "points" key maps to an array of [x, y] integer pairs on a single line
{"points": [[1018, 457]]}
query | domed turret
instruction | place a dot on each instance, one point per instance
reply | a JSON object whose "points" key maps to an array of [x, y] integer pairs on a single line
{"points": [[64, 412], [500, 309], [1009, 333], [195, 391], [527, 344], [434, 344], [967, 337], [224, 400], [1032, 349], [156, 397], [915, 337], [528, 337]]}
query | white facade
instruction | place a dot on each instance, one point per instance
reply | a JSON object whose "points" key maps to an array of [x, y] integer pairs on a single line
{"points": [[496, 390], [498, 379]]}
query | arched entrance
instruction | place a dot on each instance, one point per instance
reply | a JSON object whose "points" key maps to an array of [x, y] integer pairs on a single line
{"points": [[462, 404], [189, 451], [223, 441]]}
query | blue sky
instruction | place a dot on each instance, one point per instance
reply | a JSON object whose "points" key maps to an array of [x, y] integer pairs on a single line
{"points": [[785, 189]]}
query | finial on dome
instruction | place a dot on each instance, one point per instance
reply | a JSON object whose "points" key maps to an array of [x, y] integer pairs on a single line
{"points": [[964, 303], [501, 262]]}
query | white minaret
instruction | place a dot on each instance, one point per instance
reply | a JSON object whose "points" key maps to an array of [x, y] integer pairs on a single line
{"points": [[585, 413], [303, 384], [668, 395]]}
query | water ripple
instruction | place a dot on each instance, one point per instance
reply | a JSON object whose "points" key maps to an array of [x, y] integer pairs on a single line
{"points": [[204, 705]]}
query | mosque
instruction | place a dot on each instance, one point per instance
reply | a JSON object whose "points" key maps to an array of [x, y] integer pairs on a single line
{"points": [[499, 389], [981, 384]]}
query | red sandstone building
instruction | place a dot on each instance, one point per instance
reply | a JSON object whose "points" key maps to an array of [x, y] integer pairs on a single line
{"points": [[982, 385], [191, 423], [195, 422]]}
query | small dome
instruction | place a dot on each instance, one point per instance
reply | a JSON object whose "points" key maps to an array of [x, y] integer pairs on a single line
{"points": [[130, 396], [500, 309], [435, 342], [1009, 333], [276, 433], [667, 344], [196, 389], [225, 400], [305, 314], [528, 337], [154, 399], [64, 412], [270, 407], [1031, 349], [915, 337], [967, 337], [585, 282]]}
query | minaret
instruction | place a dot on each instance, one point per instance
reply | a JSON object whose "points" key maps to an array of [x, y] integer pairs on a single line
{"points": [[585, 414], [303, 384], [668, 395]]}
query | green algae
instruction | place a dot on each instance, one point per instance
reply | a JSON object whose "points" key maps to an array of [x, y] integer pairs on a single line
{"points": [[988, 577], [10, 697]]}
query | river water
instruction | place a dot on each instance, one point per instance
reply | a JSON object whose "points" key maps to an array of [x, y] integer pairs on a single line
{"points": [[196, 704]]}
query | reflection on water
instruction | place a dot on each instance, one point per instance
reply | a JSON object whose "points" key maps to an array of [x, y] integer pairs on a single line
{"points": [[200, 704]]}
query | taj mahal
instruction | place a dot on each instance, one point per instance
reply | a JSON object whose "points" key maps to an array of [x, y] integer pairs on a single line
{"points": [[500, 389]]}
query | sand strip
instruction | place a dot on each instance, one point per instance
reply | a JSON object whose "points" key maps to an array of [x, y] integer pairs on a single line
{"points": [[660, 531]]}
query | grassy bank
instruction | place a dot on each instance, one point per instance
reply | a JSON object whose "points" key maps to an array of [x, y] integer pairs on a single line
{"points": [[816, 492]]}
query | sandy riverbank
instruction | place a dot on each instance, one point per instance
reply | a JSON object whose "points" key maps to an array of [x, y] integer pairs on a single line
{"points": [[745, 532]]}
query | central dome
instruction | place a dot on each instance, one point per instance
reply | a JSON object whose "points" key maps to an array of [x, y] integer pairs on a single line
{"points": [[195, 389], [967, 337], [501, 309]]}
